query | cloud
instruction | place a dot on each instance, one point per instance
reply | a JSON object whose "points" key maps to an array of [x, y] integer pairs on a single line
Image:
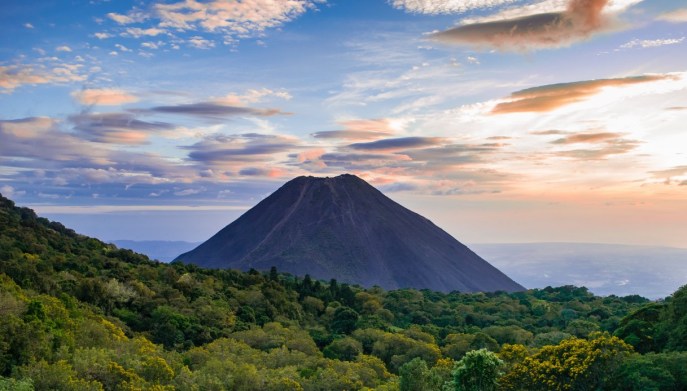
{"points": [[587, 138], [201, 43], [252, 96], [10, 192], [651, 43], [103, 35], [671, 172], [223, 150], [676, 16], [581, 20], [104, 97], [215, 110], [137, 32], [63, 49], [28, 25], [548, 132], [263, 172], [134, 16], [122, 47], [15, 76], [116, 128], [612, 147], [232, 19], [552, 96], [46, 155], [434, 7], [359, 129], [397, 143]]}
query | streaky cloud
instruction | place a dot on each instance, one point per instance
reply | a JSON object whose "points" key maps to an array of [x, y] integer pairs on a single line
{"points": [[397, 143], [581, 20], [550, 97]]}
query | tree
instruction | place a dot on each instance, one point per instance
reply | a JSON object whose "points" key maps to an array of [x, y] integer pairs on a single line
{"points": [[574, 364], [414, 375], [344, 320], [479, 370]]}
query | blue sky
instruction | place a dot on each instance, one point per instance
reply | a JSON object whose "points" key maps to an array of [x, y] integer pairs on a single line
{"points": [[500, 120]]}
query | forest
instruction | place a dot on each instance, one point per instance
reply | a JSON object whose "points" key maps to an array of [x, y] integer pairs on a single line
{"points": [[80, 314]]}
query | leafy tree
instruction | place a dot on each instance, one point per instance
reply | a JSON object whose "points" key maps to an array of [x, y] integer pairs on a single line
{"points": [[414, 375], [479, 370], [345, 349]]}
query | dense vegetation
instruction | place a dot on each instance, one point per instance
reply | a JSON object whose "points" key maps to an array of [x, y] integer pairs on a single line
{"points": [[76, 313]]}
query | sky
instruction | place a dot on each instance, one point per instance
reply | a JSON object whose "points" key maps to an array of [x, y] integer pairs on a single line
{"points": [[499, 120]]}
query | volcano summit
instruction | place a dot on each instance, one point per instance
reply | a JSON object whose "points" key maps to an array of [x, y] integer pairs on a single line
{"points": [[344, 228]]}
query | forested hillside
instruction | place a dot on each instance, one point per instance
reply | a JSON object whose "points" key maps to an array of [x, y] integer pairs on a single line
{"points": [[79, 314]]}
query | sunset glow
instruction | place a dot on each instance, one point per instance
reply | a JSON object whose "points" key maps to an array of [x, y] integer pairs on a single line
{"points": [[500, 120]]}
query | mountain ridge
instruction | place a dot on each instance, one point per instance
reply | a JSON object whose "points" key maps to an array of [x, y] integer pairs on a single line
{"points": [[342, 227]]}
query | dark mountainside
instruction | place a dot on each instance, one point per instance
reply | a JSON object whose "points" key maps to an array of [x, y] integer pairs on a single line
{"points": [[346, 229]]}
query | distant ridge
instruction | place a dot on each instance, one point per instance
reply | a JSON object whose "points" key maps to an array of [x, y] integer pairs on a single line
{"points": [[346, 229]]}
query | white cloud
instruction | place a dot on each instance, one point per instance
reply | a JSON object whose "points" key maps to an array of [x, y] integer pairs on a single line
{"points": [[136, 32], [10, 192], [134, 16], [63, 49], [445, 6], [240, 19], [14, 76], [252, 96], [651, 43], [28, 25], [103, 35], [201, 43], [546, 6], [122, 48]]}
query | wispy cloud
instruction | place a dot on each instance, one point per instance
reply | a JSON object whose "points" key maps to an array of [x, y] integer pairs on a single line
{"points": [[215, 110], [360, 129], [587, 138], [400, 143], [445, 6], [137, 32], [651, 43], [104, 97], [676, 16], [14, 76], [116, 128], [247, 18], [550, 97], [581, 19]]}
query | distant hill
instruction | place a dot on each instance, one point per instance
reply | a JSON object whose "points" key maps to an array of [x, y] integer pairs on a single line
{"points": [[161, 250], [653, 272], [344, 228]]}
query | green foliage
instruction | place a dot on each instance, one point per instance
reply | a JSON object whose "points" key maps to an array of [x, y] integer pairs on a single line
{"points": [[574, 364], [479, 370], [76, 313], [414, 375]]}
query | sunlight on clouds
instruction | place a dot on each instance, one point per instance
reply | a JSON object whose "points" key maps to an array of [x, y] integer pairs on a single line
{"points": [[523, 31], [104, 97]]}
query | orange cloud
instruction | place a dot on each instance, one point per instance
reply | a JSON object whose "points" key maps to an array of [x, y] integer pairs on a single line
{"points": [[587, 138], [359, 130], [580, 20], [103, 97], [550, 97]]}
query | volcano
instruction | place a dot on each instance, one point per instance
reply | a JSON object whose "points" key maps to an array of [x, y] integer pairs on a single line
{"points": [[344, 228]]}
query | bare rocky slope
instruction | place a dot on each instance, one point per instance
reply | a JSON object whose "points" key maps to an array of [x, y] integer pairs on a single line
{"points": [[344, 228]]}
